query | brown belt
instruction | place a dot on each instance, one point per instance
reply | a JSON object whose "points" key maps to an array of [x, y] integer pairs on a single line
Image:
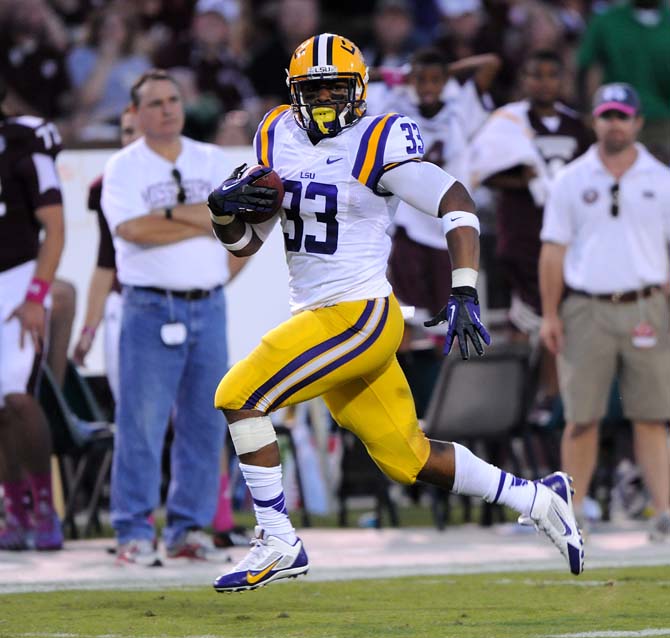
{"points": [[617, 297]]}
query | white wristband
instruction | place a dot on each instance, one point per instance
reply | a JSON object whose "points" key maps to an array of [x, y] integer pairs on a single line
{"points": [[456, 218], [464, 277], [242, 242]]}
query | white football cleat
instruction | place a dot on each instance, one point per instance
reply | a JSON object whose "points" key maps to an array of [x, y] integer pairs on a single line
{"points": [[552, 513], [269, 559]]}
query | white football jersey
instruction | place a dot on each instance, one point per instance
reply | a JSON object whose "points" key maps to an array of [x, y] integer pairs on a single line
{"points": [[334, 217]]}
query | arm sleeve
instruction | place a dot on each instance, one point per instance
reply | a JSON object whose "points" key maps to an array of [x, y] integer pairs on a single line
{"points": [[558, 222], [388, 141], [420, 184]]}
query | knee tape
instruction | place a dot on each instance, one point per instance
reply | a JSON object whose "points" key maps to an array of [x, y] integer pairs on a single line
{"points": [[250, 435]]}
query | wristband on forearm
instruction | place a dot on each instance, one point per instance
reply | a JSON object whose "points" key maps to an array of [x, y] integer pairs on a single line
{"points": [[88, 331], [463, 277], [37, 290]]}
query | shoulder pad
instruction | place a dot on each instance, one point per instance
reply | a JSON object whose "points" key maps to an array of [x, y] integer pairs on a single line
{"points": [[389, 140], [27, 134], [265, 134]]}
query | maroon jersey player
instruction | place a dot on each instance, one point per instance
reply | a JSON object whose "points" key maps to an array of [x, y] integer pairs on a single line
{"points": [[30, 204]]}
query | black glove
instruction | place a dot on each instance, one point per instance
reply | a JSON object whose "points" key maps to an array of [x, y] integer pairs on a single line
{"points": [[462, 315], [239, 195]]}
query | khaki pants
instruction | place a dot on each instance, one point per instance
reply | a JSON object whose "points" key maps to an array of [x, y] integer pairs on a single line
{"points": [[598, 346]]}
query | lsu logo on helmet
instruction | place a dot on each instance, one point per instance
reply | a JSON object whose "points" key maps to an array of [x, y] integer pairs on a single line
{"points": [[332, 61]]}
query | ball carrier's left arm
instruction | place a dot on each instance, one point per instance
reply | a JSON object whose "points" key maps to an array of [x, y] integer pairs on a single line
{"points": [[246, 197]]}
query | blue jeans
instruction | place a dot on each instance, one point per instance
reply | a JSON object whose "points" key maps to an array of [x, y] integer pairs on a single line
{"points": [[158, 382]]}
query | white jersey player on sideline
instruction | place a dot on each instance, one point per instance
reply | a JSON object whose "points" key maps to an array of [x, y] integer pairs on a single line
{"points": [[448, 113]]}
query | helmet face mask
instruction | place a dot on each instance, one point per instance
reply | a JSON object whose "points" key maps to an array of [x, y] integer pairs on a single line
{"points": [[327, 80]]}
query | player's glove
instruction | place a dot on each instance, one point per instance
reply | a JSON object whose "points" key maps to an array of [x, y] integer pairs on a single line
{"points": [[462, 316], [238, 195]]}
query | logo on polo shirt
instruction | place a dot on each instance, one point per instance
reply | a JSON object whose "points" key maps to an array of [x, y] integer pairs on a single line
{"points": [[590, 195], [648, 194]]}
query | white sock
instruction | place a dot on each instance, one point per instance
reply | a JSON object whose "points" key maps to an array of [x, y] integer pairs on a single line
{"points": [[475, 477], [266, 489]]}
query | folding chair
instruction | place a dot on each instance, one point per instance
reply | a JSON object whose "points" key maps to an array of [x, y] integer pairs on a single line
{"points": [[481, 401], [82, 447], [80, 397], [361, 477]]}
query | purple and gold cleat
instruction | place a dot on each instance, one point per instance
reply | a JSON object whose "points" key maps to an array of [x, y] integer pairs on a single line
{"points": [[553, 514], [269, 559]]}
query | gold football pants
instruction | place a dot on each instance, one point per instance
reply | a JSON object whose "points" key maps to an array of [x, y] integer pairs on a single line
{"points": [[346, 354]]}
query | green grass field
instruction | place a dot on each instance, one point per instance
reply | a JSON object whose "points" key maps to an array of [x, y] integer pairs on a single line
{"points": [[497, 605]]}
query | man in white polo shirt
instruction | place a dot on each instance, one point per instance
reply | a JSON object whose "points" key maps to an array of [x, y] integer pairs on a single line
{"points": [[173, 333], [604, 261]]}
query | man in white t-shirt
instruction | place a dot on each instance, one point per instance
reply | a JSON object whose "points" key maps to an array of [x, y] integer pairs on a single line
{"points": [[173, 333], [605, 248]]}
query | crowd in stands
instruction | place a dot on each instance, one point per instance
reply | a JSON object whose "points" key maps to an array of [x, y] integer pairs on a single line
{"points": [[75, 60]]}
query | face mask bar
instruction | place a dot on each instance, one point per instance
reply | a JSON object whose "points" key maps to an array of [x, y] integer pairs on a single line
{"points": [[327, 119]]}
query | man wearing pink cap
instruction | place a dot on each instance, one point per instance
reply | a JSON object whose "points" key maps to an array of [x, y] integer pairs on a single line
{"points": [[603, 264]]}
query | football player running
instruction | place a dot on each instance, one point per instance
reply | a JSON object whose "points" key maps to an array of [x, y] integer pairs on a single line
{"points": [[344, 175]]}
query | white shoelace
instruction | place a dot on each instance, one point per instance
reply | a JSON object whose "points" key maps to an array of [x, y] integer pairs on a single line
{"points": [[257, 554]]}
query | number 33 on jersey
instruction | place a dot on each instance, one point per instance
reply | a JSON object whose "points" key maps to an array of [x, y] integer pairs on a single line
{"points": [[332, 215]]}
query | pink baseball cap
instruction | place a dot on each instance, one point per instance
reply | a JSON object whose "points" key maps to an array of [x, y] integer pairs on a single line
{"points": [[617, 96]]}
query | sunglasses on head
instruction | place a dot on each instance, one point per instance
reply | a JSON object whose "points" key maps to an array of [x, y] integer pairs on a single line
{"points": [[614, 115], [181, 193]]}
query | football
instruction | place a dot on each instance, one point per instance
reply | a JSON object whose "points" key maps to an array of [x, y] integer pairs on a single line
{"points": [[271, 180]]}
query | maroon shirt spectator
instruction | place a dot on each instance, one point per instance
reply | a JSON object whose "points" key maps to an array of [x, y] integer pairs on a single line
{"points": [[559, 137]]}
